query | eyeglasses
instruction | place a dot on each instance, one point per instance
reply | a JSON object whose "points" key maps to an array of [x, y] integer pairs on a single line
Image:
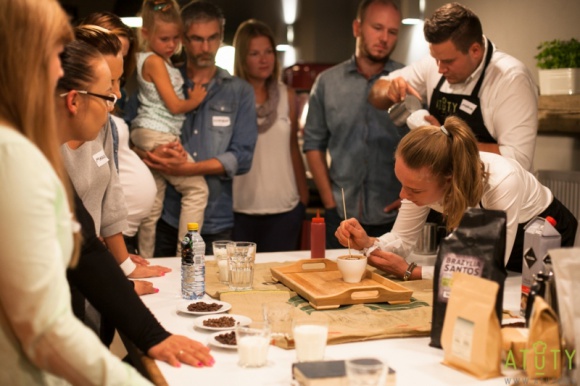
{"points": [[200, 40], [110, 99]]}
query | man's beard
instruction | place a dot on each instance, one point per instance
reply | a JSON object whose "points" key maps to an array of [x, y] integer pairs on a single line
{"points": [[377, 59], [374, 58]]}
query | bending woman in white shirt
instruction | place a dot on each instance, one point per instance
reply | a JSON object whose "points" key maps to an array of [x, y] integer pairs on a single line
{"points": [[41, 342], [441, 168]]}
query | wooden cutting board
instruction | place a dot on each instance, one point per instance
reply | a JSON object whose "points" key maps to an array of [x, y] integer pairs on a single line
{"points": [[320, 282]]}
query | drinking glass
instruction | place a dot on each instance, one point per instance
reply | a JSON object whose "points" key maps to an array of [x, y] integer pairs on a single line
{"points": [[253, 342], [310, 337], [241, 257], [366, 372], [279, 315], [220, 253]]}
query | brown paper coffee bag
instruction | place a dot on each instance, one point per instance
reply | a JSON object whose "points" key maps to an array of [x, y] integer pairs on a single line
{"points": [[514, 343], [543, 358], [566, 265], [471, 336]]}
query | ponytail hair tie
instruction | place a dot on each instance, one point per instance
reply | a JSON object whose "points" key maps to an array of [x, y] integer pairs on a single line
{"points": [[444, 130], [161, 5]]}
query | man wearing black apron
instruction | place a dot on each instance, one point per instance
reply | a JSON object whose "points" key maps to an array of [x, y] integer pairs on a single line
{"points": [[466, 107], [467, 77]]}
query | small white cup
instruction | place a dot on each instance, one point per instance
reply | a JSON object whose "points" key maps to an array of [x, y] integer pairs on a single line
{"points": [[253, 342], [352, 267], [310, 336]]}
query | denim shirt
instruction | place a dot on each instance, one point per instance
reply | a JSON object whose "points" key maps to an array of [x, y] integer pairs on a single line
{"points": [[222, 127], [360, 138]]}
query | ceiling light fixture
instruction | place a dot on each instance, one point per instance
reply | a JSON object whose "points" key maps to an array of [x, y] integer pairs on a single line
{"points": [[412, 11]]}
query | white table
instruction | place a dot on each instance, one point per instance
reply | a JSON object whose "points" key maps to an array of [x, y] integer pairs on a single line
{"points": [[415, 362]]}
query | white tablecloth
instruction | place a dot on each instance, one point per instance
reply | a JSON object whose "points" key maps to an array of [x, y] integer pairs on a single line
{"points": [[414, 361]]}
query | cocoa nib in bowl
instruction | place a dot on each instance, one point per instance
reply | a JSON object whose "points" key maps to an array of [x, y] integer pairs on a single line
{"points": [[224, 321], [228, 338], [204, 307]]}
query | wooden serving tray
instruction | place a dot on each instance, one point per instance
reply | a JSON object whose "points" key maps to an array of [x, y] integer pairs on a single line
{"points": [[320, 282]]}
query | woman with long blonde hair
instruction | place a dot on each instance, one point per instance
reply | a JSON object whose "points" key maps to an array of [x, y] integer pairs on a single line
{"points": [[270, 200], [41, 342], [440, 168]]}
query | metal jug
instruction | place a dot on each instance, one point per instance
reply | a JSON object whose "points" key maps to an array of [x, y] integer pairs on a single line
{"points": [[399, 112], [427, 242]]}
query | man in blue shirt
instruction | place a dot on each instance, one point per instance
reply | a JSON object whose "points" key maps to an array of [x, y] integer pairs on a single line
{"points": [[361, 139], [220, 134]]}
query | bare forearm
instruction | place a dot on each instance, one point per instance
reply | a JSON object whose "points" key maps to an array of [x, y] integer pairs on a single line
{"points": [[378, 96], [488, 147], [208, 167], [182, 106], [117, 247]]}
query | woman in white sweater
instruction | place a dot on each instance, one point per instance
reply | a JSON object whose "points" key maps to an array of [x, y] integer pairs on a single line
{"points": [[41, 342]]}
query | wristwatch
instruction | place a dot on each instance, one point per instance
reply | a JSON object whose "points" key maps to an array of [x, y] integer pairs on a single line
{"points": [[409, 271]]}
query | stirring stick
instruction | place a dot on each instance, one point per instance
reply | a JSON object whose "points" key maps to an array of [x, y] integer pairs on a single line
{"points": [[346, 218]]}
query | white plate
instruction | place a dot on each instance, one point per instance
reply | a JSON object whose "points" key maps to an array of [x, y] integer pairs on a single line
{"points": [[241, 319], [213, 341], [182, 307]]}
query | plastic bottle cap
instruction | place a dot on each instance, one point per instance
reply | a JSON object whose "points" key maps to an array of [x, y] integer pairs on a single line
{"points": [[551, 220], [318, 219], [192, 226]]}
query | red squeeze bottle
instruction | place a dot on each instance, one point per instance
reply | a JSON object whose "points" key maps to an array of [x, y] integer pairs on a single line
{"points": [[317, 237]]}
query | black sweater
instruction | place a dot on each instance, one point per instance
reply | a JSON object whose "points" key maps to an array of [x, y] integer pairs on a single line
{"points": [[101, 281]]}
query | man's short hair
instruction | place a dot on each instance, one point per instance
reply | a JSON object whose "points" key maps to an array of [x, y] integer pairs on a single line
{"points": [[454, 22], [201, 11], [364, 4]]}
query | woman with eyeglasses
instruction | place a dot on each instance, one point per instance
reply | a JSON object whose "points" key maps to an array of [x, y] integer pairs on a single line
{"points": [[98, 277], [41, 342], [90, 162]]}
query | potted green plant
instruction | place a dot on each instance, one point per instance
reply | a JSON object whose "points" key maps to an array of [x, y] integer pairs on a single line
{"points": [[559, 67]]}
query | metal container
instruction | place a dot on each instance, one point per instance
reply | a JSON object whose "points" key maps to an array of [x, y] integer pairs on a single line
{"points": [[399, 112], [427, 242]]}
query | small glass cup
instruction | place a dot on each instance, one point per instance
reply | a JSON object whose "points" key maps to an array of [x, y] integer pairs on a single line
{"points": [[279, 316], [310, 336], [253, 342], [241, 257], [220, 253], [366, 372]]}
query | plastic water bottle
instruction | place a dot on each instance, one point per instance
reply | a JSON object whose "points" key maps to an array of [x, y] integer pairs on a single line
{"points": [[192, 264]]}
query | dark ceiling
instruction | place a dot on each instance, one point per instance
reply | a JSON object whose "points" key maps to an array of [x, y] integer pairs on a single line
{"points": [[236, 11]]}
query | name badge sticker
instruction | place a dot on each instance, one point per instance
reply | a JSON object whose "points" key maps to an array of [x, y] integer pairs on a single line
{"points": [[100, 158], [221, 121], [467, 106]]}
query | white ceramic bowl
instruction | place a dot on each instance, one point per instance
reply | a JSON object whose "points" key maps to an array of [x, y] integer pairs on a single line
{"points": [[352, 269]]}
